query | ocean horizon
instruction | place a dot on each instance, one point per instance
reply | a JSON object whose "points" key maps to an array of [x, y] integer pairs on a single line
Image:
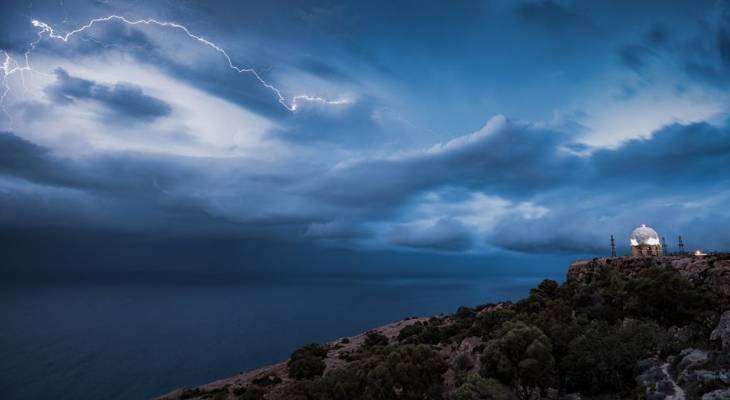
{"points": [[133, 340]]}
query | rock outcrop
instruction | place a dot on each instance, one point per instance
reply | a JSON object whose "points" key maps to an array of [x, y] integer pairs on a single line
{"points": [[712, 270]]}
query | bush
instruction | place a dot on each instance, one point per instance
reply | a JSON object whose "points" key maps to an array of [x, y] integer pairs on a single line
{"points": [[310, 350], [249, 393], [213, 394], [464, 362], [410, 331], [306, 368], [307, 362], [464, 313], [410, 372], [478, 388], [374, 338], [268, 380]]}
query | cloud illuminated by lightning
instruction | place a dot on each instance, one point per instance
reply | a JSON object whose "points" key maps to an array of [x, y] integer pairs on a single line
{"points": [[11, 66]]}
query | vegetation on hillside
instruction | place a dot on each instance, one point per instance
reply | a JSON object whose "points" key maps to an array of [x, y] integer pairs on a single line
{"points": [[586, 338]]}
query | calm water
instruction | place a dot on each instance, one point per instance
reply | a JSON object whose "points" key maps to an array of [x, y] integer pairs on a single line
{"points": [[133, 341]]}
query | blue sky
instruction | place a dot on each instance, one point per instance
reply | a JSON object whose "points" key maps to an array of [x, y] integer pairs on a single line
{"points": [[475, 129]]}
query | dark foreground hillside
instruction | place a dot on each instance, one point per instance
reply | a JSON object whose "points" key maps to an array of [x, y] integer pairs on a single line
{"points": [[618, 328]]}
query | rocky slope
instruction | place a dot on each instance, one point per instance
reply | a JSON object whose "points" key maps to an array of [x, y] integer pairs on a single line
{"points": [[621, 327]]}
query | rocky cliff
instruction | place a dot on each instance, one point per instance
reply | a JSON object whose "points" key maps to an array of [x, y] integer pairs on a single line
{"points": [[711, 271], [620, 327]]}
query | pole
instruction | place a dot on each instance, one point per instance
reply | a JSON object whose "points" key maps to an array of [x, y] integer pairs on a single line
{"points": [[613, 247], [680, 245]]}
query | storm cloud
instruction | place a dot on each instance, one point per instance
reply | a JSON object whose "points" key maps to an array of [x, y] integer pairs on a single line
{"points": [[122, 99], [516, 190], [528, 127]]}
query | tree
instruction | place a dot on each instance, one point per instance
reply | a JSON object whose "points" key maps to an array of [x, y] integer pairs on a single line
{"points": [[489, 322], [478, 388], [521, 357], [603, 359], [307, 362], [667, 297]]}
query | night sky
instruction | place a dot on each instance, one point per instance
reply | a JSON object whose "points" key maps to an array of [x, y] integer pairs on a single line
{"points": [[368, 135]]}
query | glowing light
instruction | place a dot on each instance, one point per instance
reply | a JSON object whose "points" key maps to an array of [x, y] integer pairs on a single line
{"points": [[11, 66]]}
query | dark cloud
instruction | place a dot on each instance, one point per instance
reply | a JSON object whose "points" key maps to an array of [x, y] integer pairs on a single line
{"points": [[26, 160], [687, 155], [123, 99], [556, 234], [674, 180], [446, 235], [145, 192], [134, 178], [701, 49], [503, 158], [640, 181], [673, 166]]}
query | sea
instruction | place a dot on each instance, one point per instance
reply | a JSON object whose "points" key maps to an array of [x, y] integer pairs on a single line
{"points": [[138, 340]]}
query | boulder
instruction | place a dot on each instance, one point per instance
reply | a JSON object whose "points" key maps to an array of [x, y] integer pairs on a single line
{"points": [[704, 378], [691, 359], [718, 278], [722, 332], [655, 380], [720, 394]]}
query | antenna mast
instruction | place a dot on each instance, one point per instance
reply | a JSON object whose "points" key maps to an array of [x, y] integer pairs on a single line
{"points": [[613, 247], [680, 245]]}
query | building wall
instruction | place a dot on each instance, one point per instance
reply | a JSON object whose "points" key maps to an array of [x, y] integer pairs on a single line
{"points": [[647, 251]]}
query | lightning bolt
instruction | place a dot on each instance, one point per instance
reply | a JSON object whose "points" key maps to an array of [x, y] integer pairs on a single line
{"points": [[10, 66]]}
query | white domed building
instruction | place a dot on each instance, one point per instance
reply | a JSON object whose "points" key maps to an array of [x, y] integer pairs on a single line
{"points": [[645, 242]]}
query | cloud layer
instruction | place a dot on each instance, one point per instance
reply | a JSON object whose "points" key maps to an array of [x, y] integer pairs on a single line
{"points": [[511, 186], [529, 127]]}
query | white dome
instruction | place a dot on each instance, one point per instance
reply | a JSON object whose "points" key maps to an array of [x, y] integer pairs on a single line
{"points": [[644, 235]]}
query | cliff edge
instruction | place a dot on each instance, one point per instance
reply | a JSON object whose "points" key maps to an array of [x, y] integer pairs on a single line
{"points": [[711, 270]]}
